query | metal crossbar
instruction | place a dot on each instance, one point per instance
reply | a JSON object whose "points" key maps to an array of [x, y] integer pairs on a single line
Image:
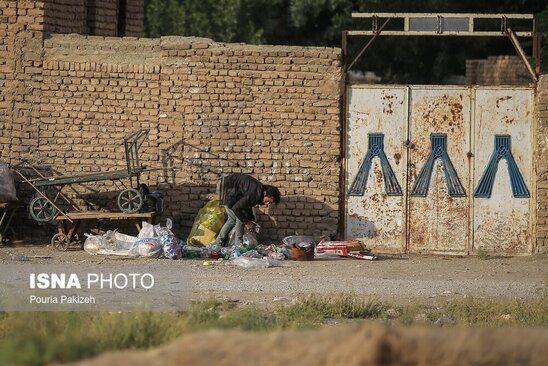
{"points": [[442, 24]]}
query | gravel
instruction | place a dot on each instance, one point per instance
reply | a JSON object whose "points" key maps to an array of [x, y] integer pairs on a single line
{"points": [[397, 277]]}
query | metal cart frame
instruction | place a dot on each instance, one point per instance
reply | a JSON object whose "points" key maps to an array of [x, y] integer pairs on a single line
{"points": [[44, 209], [7, 210]]}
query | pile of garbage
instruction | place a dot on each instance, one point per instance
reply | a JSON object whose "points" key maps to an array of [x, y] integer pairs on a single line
{"points": [[301, 248], [159, 242], [154, 241]]}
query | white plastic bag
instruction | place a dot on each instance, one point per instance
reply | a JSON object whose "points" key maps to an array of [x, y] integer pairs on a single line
{"points": [[147, 231], [94, 243], [148, 247]]}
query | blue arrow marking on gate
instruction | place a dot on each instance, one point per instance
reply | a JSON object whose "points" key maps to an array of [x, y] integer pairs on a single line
{"points": [[439, 151], [375, 149], [503, 150]]}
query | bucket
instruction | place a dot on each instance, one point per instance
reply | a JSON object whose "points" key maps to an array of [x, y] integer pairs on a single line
{"points": [[302, 254]]}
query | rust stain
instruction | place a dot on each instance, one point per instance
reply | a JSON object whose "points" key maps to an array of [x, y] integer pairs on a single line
{"points": [[443, 111], [388, 103], [502, 99], [508, 120], [456, 112], [397, 158], [378, 175], [500, 234]]}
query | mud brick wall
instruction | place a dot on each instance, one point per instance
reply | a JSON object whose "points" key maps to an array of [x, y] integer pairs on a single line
{"points": [[21, 26], [134, 20], [65, 16], [102, 17], [212, 109], [90, 101], [8, 20], [542, 166], [114, 18], [497, 70], [269, 111]]}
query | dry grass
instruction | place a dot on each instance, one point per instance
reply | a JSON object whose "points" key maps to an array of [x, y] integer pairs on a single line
{"points": [[39, 338]]}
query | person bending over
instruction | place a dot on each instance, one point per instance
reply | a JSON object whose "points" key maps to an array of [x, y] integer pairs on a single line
{"points": [[239, 193]]}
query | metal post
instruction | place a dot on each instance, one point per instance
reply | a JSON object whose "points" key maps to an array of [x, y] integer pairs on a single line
{"points": [[536, 52], [342, 153], [368, 43], [519, 50]]}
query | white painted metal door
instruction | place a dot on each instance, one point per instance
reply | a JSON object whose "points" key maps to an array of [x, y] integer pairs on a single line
{"points": [[376, 166], [439, 170], [502, 202]]}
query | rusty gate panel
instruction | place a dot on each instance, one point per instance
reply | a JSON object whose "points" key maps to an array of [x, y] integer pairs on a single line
{"points": [[439, 170], [503, 170], [376, 166]]}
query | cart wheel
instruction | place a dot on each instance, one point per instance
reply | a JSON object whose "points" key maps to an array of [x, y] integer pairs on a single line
{"points": [[60, 241], [41, 210], [130, 200]]}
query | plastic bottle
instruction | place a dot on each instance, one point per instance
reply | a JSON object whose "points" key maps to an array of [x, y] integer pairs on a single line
{"points": [[215, 248], [235, 253], [252, 254]]}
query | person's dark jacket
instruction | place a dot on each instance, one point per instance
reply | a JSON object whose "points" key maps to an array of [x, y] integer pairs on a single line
{"points": [[240, 193]]}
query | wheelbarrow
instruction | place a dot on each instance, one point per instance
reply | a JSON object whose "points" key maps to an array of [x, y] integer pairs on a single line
{"points": [[44, 208]]}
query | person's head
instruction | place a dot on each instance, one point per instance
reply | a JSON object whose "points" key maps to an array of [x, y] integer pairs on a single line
{"points": [[271, 195]]}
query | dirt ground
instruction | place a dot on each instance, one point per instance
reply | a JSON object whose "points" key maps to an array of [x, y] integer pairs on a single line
{"points": [[406, 278], [366, 345], [399, 278]]}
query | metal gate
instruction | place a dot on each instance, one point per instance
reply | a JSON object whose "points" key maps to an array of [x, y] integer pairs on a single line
{"points": [[439, 169]]}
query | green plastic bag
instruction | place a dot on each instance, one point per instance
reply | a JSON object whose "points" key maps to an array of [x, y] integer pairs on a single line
{"points": [[208, 223]]}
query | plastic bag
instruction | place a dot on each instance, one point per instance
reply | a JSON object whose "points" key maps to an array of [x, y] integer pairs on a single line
{"points": [[122, 241], [208, 223], [247, 262], [250, 238], [168, 241], [94, 243], [7, 184], [300, 240], [149, 247], [110, 243], [147, 231]]}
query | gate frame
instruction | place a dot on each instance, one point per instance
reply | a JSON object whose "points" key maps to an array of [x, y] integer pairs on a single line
{"points": [[377, 31], [469, 183]]}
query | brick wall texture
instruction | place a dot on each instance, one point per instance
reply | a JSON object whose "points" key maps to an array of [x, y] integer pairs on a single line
{"points": [[497, 70], [211, 108], [542, 165], [67, 100]]}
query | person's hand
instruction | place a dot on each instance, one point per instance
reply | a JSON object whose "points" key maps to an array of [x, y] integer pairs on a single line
{"points": [[250, 226]]}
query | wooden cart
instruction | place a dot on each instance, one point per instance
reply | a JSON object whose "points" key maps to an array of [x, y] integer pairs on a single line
{"points": [[43, 207], [67, 224]]}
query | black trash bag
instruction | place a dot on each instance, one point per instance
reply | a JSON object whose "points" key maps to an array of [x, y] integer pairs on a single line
{"points": [[152, 201]]}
